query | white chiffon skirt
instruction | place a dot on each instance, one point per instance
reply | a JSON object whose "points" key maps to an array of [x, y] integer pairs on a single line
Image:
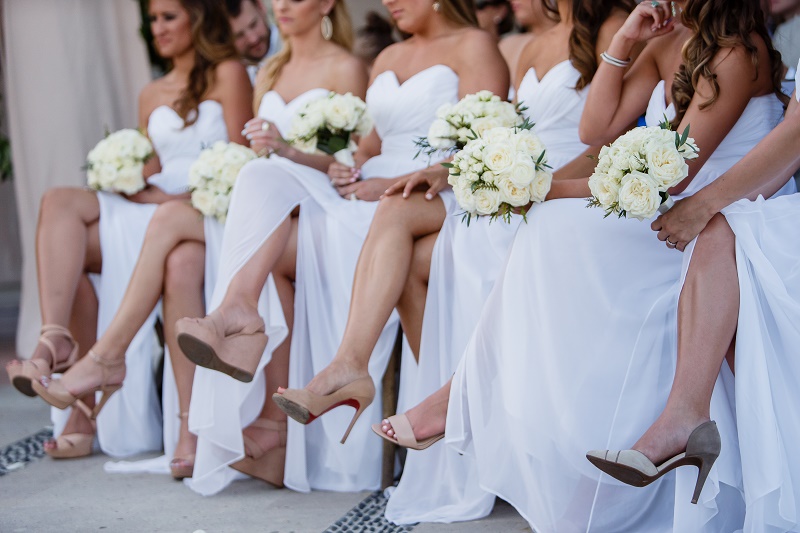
{"points": [[330, 234], [767, 366]]}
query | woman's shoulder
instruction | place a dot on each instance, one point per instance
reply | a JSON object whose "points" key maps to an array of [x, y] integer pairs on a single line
{"points": [[230, 68]]}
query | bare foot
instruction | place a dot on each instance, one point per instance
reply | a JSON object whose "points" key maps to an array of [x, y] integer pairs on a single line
{"points": [[667, 437], [426, 418]]}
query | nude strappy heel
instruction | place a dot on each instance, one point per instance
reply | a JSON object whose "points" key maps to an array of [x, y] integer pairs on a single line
{"points": [[23, 372], [404, 434], [204, 342], [182, 467], [305, 406], [74, 445], [265, 465], [56, 394], [634, 468]]}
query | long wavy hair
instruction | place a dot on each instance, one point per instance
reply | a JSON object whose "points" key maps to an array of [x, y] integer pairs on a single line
{"points": [[212, 39], [588, 17], [718, 24], [342, 35], [459, 12]]}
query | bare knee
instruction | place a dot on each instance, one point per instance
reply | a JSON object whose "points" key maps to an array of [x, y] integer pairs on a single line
{"points": [[718, 236], [70, 200], [166, 221], [185, 267]]}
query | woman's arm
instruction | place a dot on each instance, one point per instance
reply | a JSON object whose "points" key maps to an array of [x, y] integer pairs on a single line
{"points": [[233, 90], [479, 65], [763, 171]]}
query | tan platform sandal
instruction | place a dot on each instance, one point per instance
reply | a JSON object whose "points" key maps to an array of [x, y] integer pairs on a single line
{"points": [[23, 372], [265, 465], [74, 445]]}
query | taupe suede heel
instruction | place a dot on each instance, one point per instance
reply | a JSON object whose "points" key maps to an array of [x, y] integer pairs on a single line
{"points": [[634, 468], [404, 434], [22, 373], [265, 465]]}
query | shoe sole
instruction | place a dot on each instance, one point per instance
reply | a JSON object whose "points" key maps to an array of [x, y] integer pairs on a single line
{"points": [[23, 384], [294, 410], [620, 472], [202, 354]]}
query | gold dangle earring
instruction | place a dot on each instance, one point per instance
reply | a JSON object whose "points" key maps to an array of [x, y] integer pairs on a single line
{"points": [[327, 28], [437, 6]]}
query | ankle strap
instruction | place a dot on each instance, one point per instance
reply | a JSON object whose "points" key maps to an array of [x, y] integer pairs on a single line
{"points": [[48, 329], [183, 415]]}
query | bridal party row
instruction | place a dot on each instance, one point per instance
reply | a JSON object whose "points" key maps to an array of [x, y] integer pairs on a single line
{"points": [[658, 349]]}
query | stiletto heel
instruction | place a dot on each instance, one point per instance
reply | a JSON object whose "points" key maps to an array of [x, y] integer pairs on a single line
{"points": [[22, 373], [204, 342], [56, 394], [634, 468], [305, 406], [404, 434], [265, 465]]}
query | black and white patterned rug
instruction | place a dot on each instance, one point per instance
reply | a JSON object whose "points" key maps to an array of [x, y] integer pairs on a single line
{"points": [[367, 516], [17, 455]]}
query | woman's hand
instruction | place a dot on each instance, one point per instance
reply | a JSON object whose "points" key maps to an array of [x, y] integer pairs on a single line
{"points": [[683, 222], [342, 175], [434, 179], [369, 190], [649, 19], [154, 195], [264, 137]]}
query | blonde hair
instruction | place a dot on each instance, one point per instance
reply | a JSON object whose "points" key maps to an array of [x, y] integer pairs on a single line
{"points": [[342, 35]]}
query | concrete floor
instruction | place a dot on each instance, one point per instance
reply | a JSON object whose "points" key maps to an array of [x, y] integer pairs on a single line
{"points": [[76, 495]]}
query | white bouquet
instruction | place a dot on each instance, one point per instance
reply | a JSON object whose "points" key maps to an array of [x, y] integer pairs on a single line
{"points": [[117, 162], [455, 125], [212, 175], [503, 169], [635, 172], [327, 125]]}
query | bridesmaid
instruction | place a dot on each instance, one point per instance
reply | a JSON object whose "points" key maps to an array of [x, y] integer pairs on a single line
{"points": [[555, 70], [81, 232], [755, 309], [445, 58], [563, 352], [176, 223]]}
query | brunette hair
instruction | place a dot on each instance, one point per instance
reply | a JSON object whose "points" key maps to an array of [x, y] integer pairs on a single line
{"points": [[234, 7], [717, 24], [588, 17], [212, 39], [459, 12], [342, 35]]}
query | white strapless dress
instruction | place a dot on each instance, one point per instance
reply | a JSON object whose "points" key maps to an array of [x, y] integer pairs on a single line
{"points": [[465, 264], [575, 350], [131, 421], [767, 366], [331, 231]]}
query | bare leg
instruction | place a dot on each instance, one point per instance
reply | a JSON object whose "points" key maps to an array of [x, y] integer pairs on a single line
{"points": [[183, 296], [173, 223], [66, 235], [707, 317], [83, 325], [381, 274], [411, 305], [277, 371]]}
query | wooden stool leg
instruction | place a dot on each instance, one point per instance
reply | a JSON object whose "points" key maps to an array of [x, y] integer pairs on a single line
{"points": [[390, 378]]}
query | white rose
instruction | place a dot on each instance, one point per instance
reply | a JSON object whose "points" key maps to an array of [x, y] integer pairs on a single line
{"points": [[540, 186], [497, 135], [479, 125], [513, 195], [441, 135], [340, 114], [487, 201], [129, 179], [203, 201], [604, 189], [464, 196], [498, 157], [523, 172], [638, 196], [620, 157], [666, 165], [529, 142]]}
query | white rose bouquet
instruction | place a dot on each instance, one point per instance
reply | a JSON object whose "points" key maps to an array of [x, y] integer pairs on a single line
{"points": [[455, 125], [116, 163], [327, 125], [635, 172], [503, 169], [212, 175]]}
